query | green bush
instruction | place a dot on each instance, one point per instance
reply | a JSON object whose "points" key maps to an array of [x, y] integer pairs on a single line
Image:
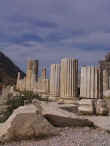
{"points": [[17, 101]]}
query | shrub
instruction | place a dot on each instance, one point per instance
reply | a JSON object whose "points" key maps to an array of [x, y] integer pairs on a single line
{"points": [[17, 101]]}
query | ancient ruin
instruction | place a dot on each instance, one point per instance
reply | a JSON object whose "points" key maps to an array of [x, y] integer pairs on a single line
{"points": [[55, 80], [63, 84], [63, 79], [91, 85], [105, 66], [31, 82], [69, 78]]}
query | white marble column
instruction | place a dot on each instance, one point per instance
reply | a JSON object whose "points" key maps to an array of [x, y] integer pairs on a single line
{"points": [[69, 78], [55, 80], [91, 85]]}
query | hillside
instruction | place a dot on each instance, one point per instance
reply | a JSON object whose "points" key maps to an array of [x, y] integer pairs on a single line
{"points": [[8, 70]]}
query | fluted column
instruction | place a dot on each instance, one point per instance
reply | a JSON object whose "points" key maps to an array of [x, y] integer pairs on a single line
{"points": [[44, 73], [28, 75], [69, 77], [18, 80], [91, 85], [105, 80], [55, 80], [35, 68]]}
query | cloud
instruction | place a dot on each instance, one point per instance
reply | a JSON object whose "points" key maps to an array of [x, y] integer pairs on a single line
{"points": [[52, 29]]}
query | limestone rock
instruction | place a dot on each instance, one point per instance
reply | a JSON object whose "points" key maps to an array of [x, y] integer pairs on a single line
{"points": [[52, 99], [61, 121], [68, 100], [86, 107], [25, 123], [106, 93], [59, 117], [101, 107]]}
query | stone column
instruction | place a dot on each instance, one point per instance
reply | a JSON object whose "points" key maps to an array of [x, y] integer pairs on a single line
{"points": [[105, 80], [55, 80], [35, 68], [69, 78], [18, 80], [44, 73], [29, 75], [91, 85]]}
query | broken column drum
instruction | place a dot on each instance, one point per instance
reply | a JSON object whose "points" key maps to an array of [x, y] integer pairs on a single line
{"points": [[55, 80], [69, 78], [91, 85]]}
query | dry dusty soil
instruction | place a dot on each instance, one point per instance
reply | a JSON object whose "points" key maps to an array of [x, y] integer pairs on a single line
{"points": [[70, 137]]}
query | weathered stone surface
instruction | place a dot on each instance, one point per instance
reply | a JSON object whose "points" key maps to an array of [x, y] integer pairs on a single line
{"points": [[57, 116], [91, 82], [67, 100], [86, 107], [26, 122], [106, 93], [52, 108], [55, 80], [69, 78], [52, 98], [61, 121], [101, 107]]}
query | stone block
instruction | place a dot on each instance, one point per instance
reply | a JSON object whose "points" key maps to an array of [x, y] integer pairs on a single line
{"points": [[101, 107], [86, 107]]}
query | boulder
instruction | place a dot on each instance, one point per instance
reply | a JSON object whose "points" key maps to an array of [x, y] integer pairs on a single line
{"points": [[59, 117], [101, 107], [52, 99], [26, 122], [67, 100], [106, 93], [86, 107], [62, 121]]}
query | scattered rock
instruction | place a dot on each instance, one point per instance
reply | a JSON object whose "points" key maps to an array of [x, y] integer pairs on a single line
{"points": [[61, 121], [106, 93], [86, 107], [101, 107], [26, 122], [53, 99]]}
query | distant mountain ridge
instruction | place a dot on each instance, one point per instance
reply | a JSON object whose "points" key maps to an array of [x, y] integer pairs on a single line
{"points": [[8, 70]]}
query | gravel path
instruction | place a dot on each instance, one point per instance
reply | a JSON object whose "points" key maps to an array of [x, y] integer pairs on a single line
{"points": [[71, 137]]}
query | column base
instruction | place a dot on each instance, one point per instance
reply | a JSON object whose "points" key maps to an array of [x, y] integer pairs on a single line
{"points": [[68, 100], [53, 98]]}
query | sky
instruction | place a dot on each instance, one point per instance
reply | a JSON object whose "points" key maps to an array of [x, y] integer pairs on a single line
{"points": [[49, 30]]}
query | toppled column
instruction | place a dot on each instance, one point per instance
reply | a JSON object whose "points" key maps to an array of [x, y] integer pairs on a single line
{"points": [[91, 82], [55, 80], [69, 78]]}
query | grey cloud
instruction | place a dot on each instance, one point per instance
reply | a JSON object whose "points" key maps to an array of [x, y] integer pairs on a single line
{"points": [[51, 29]]}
